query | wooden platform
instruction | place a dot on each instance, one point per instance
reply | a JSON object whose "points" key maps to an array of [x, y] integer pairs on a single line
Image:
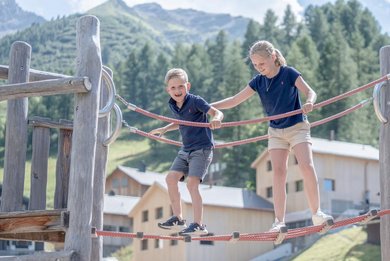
{"points": [[36, 225]]}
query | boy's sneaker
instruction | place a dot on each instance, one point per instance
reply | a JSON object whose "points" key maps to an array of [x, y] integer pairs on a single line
{"points": [[173, 223], [320, 218], [278, 226], [194, 229]]}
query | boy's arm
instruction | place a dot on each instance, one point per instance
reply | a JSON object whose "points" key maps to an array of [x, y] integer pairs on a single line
{"points": [[217, 118], [162, 130]]}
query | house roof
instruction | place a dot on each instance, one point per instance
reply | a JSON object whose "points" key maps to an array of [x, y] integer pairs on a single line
{"points": [[338, 148], [119, 205], [219, 196], [144, 178]]}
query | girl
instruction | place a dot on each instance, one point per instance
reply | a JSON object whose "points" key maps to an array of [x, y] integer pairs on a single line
{"points": [[277, 85]]}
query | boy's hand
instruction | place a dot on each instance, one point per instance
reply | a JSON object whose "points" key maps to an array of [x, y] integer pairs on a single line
{"points": [[159, 132]]}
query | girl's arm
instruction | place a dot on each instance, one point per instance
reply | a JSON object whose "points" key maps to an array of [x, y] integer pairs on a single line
{"points": [[311, 96], [235, 100]]}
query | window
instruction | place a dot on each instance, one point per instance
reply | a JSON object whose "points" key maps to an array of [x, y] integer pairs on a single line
{"points": [[124, 182], [124, 229], [207, 242], [286, 187], [109, 228], [295, 161], [269, 192], [299, 185], [269, 165], [159, 213], [144, 244], [145, 216], [158, 243], [115, 183], [329, 185]]}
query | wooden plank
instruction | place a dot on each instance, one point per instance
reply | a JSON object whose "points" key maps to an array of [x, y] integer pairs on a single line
{"points": [[100, 175], [16, 132], [35, 75], [45, 256], [39, 225], [39, 166], [63, 167], [45, 88], [384, 158], [44, 122], [89, 63], [40, 236]]}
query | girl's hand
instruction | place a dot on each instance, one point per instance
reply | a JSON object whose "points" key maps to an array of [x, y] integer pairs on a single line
{"points": [[307, 107], [215, 124]]}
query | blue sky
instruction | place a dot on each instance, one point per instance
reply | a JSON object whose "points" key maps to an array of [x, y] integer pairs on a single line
{"points": [[249, 8]]}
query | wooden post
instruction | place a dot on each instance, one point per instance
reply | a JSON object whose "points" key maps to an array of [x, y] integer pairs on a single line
{"points": [[16, 131], [89, 63], [384, 157], [39, 163], [63, 166], [100, 175]]}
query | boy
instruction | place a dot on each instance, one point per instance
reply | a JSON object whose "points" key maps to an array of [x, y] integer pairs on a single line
{"points": [[196, 154]]}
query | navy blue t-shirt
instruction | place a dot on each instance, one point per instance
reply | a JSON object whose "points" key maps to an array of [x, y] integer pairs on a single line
{"points": [[279, 95], [195, 109]]}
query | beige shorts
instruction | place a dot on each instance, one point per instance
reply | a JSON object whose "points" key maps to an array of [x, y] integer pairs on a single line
{"points": [[289, 137]]}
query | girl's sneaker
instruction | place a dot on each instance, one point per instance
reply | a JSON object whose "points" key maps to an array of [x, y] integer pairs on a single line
{"points": [[278, 226], [194, 229], [320, 218], [173, 223]]}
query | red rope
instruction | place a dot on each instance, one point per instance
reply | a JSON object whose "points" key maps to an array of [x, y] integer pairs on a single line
{"points": [[264, 236], [249, 140], [259, 120]]}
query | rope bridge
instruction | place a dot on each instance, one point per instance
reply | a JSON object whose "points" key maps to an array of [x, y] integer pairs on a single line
{"points": [[276, 237]]}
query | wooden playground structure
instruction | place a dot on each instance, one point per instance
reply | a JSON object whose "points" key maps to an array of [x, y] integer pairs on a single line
{"points": [[82, 152]]}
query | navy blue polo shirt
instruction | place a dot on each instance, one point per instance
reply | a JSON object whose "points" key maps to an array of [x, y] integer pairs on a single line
{"points": [[195, 109], [279, 95]]}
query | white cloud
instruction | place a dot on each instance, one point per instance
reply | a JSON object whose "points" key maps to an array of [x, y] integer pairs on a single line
{"points": [[84, 5]]}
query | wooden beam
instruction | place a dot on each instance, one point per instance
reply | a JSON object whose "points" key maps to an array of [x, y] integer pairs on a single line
{"points": [[35, 75], [16, 132], [384, 157], [36, 225], [36, 121], [45, 88]]}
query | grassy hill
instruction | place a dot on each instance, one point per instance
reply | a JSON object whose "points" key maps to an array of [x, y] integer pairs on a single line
{"points": [[348, 244], [126, 151]]}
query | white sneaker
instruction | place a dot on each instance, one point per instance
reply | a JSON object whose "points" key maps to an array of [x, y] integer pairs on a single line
{"points": [[278, 226], [320, 218]]}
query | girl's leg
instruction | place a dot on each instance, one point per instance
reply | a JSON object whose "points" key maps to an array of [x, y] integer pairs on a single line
{"points": [[172, 180], [197, 203], [279, 159], [304, 157]]}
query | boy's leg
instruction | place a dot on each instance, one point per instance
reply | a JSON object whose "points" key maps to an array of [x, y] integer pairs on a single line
{"points": [[197, 203], [172, 180]]}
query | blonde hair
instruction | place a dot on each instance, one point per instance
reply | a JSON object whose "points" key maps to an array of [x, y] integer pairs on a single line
{"points": [[266, 49], [176, 73]]}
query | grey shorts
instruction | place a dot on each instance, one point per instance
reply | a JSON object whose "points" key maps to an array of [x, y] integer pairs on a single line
{"points": [[193, 163]]}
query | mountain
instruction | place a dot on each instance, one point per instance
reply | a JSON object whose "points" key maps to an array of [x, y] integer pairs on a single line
{"points": [[13, 18], [123, 28]]}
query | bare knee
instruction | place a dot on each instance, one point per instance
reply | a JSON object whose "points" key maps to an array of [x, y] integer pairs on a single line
{"points": [[173, 177], [193, 184]]}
